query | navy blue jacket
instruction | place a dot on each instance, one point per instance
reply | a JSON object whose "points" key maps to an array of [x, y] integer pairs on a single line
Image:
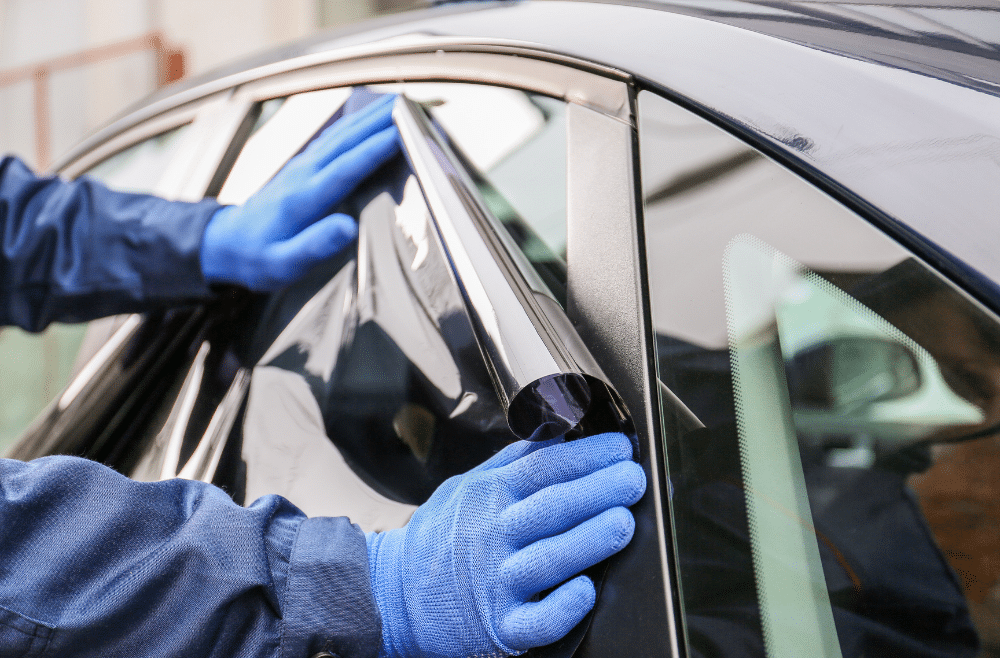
{"points": [[78, 251], [95, 564]]}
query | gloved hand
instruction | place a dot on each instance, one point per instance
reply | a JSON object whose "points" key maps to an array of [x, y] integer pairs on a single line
{"points": [[459, 578], [280, 232]]}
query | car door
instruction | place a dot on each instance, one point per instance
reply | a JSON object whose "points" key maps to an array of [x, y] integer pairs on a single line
{"points": [[361, 388], [829, 412]]}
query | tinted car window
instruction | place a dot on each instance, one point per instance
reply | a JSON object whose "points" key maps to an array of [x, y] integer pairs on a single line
{"points": [[356, 391], [37, 366], [832, 395]]}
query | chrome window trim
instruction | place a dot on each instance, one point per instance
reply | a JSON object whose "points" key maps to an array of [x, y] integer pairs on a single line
{"points": [[214, 124], [422, 43], [517, 59], [82, 159], [121, 142], [575, 86]]}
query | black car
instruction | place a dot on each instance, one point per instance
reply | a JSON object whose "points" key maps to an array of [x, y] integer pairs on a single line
{"points": [[759, 236]]}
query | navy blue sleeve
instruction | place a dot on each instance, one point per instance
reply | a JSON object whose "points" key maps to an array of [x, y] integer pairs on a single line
{"points": [[96, 564], [75, 251]]}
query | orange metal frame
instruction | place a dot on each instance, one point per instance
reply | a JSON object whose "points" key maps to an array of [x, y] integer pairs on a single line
{"points": [[169, 67]]}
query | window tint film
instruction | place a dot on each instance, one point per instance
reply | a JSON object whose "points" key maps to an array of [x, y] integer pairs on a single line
{"points": [[835, 495], [514, 146], [37, 366], [356, 391]]}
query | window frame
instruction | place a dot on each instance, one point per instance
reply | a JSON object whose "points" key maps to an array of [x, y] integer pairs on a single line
{"points": [[606, 304], [214, 121]]}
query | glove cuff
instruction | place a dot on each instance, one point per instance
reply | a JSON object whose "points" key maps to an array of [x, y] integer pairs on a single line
{"points": [[385, 553], [215, 262]]}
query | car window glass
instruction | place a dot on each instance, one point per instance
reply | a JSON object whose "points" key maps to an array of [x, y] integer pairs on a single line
{"points": [[355, 391], [138, 168], [833, 503], [265, 112], [514, 145], [281, 129], [37, 366]]}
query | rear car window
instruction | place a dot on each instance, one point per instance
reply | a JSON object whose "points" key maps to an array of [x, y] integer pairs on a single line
{"points": [[358, 390]]}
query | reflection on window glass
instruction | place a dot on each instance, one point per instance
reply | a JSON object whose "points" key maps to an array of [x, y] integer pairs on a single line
{"points": [[266, 112], [833, 504], [140, 167], [515, 145], [283, 127], [356, 391], [36, 367]]}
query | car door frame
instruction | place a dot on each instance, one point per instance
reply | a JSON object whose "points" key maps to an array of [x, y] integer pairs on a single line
{"points": [[605, 268], [606, 301]]}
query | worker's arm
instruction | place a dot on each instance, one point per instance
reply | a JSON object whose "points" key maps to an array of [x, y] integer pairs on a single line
{"points": [[95, 564], [75, 251]]}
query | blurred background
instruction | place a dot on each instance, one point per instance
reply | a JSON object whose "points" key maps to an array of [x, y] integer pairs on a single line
{"points": [[68, 67]]}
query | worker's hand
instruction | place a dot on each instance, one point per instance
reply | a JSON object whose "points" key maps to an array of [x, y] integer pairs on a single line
{"points": [[460, 578], [282, 231]]}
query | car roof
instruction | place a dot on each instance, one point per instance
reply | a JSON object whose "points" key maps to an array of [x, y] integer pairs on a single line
{"points": [[957, 40], [893, 108]]}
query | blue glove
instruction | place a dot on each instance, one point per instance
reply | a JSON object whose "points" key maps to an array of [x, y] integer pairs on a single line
{"points": [[460, 577], [280, 232]]}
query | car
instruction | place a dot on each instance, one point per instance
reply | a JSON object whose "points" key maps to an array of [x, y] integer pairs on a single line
{"points": [[757, 236]]}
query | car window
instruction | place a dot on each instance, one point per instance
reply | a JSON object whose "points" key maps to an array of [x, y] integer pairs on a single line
{"points": [[37, 366], [283, 126], [831, 420], [140, 167], [356, 391]]}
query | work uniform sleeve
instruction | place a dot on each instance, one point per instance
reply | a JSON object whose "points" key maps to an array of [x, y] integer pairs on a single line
{"points": [[75, 251], [95, 564]]}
